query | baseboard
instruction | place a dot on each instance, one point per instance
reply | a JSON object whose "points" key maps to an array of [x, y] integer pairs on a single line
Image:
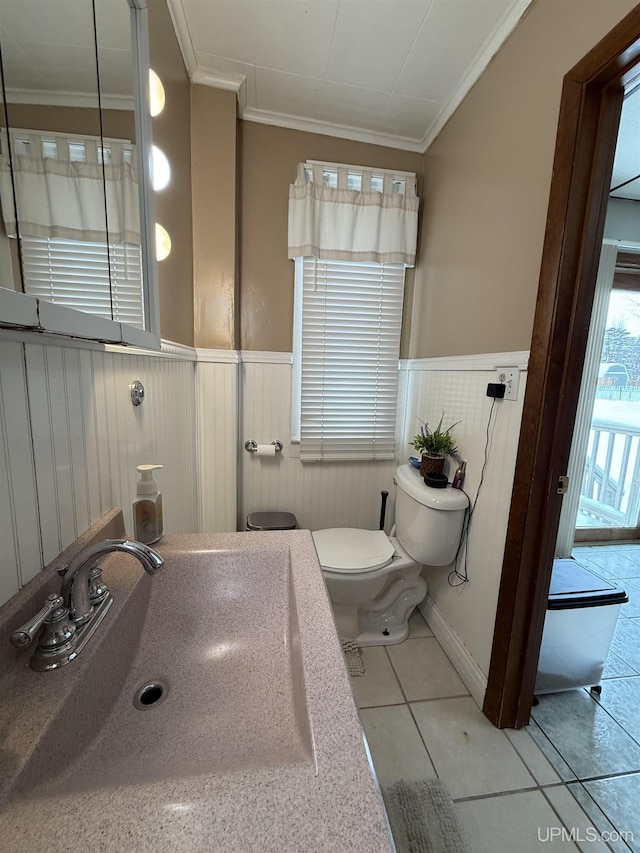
{"points": [[468, 670]]}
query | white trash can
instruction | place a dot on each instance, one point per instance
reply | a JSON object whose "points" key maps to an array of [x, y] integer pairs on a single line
{"points": [[581, 617]]}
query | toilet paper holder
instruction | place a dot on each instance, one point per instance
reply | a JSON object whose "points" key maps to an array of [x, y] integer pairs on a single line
{"points": [[252, 446]]}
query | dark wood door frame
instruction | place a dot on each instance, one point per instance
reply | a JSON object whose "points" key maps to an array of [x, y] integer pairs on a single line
{"points": [[592, 96]]}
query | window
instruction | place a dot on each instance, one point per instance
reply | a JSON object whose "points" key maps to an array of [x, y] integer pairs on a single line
{"points": [[348, 317], [82, 275], [354, 176]]}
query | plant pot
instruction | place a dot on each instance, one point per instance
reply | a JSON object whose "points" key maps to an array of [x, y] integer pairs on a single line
{"points": [[436, 481], [431, 464]]}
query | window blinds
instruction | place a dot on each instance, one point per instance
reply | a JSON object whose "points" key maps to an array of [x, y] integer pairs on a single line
{"points": [[80, 275], [351, 318]]}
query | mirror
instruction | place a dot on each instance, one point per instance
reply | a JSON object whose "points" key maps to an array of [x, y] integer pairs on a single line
{"points": [[74, 192]]}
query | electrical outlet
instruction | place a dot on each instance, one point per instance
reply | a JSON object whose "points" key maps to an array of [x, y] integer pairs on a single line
{"points": [[510, 378]]}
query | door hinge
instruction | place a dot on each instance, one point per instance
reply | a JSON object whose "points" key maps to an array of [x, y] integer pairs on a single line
{"points": [[563, 484]]}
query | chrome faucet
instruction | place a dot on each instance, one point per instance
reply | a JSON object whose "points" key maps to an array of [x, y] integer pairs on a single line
{"points": [[71, 618], [77, 575]]}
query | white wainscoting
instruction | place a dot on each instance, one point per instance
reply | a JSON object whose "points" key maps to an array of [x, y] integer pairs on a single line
{"points": [[70, 440], [321, 494], [217, 394], [458, 387], [73, 401]]}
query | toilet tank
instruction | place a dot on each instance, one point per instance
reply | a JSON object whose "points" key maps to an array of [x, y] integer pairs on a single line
{"points": [[428, 521]]}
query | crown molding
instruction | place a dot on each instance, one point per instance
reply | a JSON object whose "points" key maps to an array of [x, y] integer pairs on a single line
{"points": [[69, 99], [221, 80], [217, 79], [327, 129], [506, 26], [181, 27], [237, 83]]}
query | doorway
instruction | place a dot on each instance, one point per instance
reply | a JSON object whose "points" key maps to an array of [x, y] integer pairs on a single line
{"points": [[590, 109], [609, 502]]}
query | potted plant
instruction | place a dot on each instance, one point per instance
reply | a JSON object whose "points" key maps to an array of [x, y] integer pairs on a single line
{"points": [[433, 446]]}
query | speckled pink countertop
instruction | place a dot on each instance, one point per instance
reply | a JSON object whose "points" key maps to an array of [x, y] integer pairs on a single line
{"points": [[284, 769]]}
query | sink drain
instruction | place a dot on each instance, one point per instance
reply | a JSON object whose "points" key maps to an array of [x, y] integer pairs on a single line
{"points": [[151, 694]]}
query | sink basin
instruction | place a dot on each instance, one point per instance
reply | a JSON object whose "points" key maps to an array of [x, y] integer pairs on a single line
{"points": [[221, 660], [255, 745]]}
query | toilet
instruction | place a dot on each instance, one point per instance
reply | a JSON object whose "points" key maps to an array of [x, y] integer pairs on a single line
{"points": [[374, 580]]}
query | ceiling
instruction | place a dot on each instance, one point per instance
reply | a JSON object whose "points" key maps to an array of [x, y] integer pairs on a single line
{"points": [[389, 72], [381, 71], [48, 52]]}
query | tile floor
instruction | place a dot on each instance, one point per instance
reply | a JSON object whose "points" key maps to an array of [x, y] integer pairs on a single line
{"points": [[513, 790]]}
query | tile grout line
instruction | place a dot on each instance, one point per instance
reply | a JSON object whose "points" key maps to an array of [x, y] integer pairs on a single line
{"points": [[542, 787], [528, 790], [408, 705], [522, 758], [606, 778], [561, 783], [416, 701], [579, 805], [536, 785], [555, 750], [634, 738], [598, 807]]}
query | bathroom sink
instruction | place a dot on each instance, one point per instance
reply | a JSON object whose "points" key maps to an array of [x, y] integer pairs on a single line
{"points": [[201, 673], [247, 740]]}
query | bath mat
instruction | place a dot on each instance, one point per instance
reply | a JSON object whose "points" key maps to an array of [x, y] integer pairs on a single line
{"points": [[353, 657], [423, 819]]}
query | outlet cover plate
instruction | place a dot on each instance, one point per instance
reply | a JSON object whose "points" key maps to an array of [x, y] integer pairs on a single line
{"points": [[510, 377]]}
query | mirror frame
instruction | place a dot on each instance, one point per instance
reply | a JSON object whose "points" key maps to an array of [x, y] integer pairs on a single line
{"points": [[28, 313]]}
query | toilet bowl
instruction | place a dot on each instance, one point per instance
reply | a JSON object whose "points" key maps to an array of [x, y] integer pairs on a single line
{"points": [[375, 581]]}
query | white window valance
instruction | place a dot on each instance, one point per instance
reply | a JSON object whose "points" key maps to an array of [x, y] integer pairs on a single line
{"points": [[60, 181], [346, 213]]}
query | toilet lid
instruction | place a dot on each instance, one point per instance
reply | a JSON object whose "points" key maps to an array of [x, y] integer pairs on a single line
{"points": [[348, 549]]}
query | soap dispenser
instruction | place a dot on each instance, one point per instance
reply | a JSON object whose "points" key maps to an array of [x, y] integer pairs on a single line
{"points": [[147, 507]]}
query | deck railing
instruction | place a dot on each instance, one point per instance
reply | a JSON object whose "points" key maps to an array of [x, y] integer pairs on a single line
{"points": [[610, 494], [626, 393]]}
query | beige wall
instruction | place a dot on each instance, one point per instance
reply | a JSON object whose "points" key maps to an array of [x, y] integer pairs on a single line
{"points": [[172, 133], [119, 124], [213, 163], [486, 186], [268, 160]]}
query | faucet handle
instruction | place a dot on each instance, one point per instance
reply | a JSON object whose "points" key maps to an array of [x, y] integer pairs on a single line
{"points": [[98, 590], [23, 636]]}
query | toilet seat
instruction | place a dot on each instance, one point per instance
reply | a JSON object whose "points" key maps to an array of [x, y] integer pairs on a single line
{"points": [[346, 550]]}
